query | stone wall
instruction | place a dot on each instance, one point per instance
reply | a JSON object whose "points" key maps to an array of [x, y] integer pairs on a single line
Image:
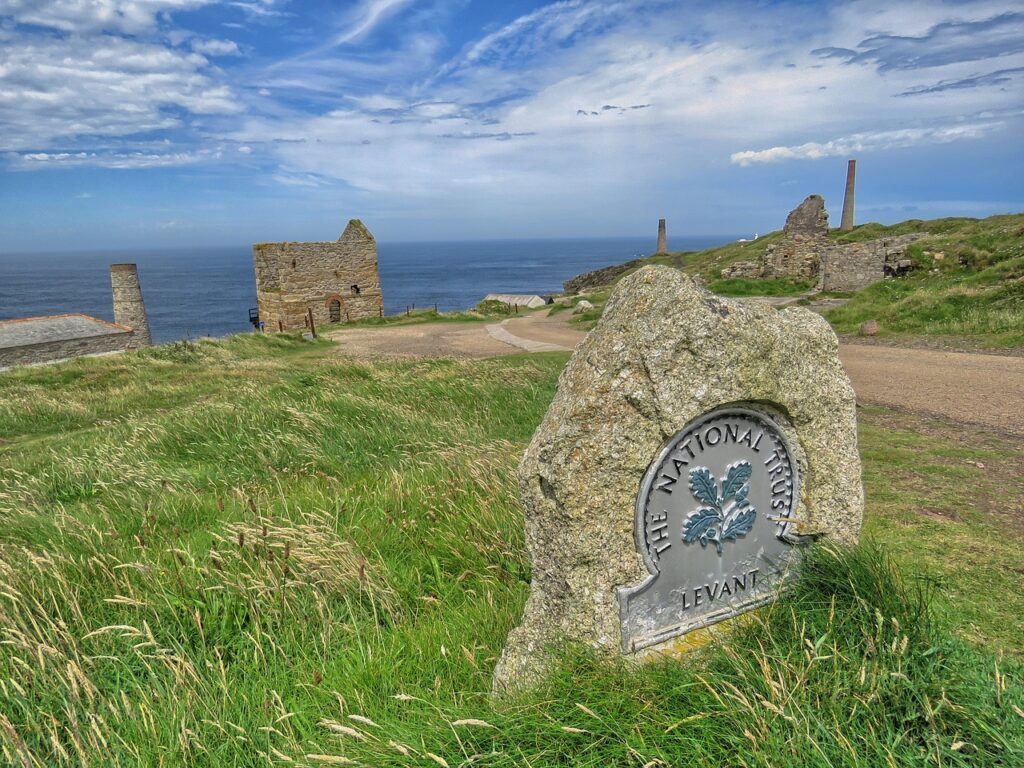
{"points": [[797, 257], [805, 252], [804, 238], [48, 351], [294, 277], [747, 269], [854, 266], [129, 309]]}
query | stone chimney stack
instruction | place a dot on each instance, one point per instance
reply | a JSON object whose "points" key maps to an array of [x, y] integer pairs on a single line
{"points": [[662, 238], [128, 307], [851, 179]]}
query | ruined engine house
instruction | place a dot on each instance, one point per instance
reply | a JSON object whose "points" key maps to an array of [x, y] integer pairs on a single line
{"points": [[339, 281]]}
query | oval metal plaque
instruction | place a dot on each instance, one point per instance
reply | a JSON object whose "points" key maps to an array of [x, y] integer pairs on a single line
{"points": [[711, 521]]}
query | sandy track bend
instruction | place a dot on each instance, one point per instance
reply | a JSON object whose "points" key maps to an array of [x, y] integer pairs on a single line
{"points": [[982, 390], [461, 340]]}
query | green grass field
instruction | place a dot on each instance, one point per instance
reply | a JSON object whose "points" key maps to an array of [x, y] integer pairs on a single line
{"points": [[252, 552]]}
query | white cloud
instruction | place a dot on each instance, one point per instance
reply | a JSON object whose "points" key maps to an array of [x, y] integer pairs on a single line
{"points": [[300, 180], [724, 86], [548, 25], [377, 102], [258, 9], [498, 125], [366, 17], [109, 159], [54, 90], [325, 75], [129, 16], [872, 141], [216, 47]]}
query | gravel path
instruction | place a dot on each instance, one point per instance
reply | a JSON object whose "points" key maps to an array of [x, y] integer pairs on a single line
{"points": [[982, 390], [396, 342], [527, 340]]}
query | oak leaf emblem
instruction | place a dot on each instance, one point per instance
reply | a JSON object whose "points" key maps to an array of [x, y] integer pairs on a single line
{"points": [[726, 514]]}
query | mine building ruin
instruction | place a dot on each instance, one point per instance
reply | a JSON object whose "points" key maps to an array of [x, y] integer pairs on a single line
{"points": [[338, 281], [48, 339], [806, 252]]}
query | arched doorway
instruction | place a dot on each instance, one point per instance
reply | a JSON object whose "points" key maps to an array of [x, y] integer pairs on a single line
{"points": [[334, 311]]}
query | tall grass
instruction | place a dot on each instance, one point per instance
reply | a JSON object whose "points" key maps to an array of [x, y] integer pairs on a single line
{"points": [[253, 553], [851, 667]]}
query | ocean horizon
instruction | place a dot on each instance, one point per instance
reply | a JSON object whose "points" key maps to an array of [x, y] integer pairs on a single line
{"points": [[207, 291]]}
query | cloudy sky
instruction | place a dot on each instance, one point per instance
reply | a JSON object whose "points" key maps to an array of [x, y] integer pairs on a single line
{"points": [[191, 122]]}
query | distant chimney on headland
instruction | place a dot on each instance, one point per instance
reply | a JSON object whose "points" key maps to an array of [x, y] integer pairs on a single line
{"points": [[662, 238], [851, 180], [128, 307]]}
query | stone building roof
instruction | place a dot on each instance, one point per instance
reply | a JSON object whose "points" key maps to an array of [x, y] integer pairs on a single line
{"points": [[521, 299], [38, 330]]}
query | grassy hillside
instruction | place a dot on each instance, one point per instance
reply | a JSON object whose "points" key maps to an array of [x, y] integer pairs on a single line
{"points": [[982, 298], [968, 281], [251, 553]]}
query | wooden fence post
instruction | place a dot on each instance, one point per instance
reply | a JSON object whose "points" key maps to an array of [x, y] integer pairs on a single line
{"points": [[312, 324]]}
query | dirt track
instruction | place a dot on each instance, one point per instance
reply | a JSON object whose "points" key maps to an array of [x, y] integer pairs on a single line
{"points": [[424, 340], [982, 390]]}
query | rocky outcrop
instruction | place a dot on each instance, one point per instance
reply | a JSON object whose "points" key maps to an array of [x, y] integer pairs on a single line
{"points": [[600, 278]]}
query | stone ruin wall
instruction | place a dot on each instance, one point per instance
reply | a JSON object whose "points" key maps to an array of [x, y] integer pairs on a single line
{"points": [[129, 308], [294, 277], [805, 252], [61, 349], [804, 237], [854, 266], [847, 267], [797, 256]]}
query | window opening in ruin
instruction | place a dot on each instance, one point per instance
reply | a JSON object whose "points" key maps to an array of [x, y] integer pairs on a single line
{"points": [[355, 289], [293, 263], [334, 311]]}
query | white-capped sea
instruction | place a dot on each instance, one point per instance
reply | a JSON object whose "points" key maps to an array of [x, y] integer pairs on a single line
{"points": [[192, 292]]}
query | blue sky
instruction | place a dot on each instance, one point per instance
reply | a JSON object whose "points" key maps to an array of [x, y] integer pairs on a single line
{"points": [[126, 123]]}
